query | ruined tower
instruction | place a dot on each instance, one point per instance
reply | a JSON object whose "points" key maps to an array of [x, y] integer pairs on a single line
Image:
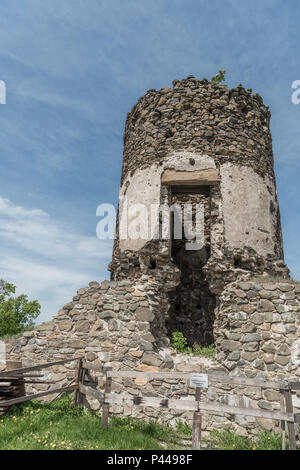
{"points": [[208, 148], [199, 143]]}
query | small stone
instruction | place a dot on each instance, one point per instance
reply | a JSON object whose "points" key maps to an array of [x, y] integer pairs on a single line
{"points": [[233, 356], [107, 345], [265, 405], [268, 347], [65, 325], [286, 287], [106, 314], [245, 285], [81, 292], [140, 381], [248, 308], [82, 326], [272, 395], [91, 356], [94, 284], [239, 293], [229, 345], [268, 358], [144, 314], [135, 353], [270, 287], [265, 306], [250, 337], [282, 360], [68, 306], [257, 318], [251, 347], [151, 359], [45, 327], [284, 350], [264, 294], [266, 424], [249, 356], [278, 328], [138, 293], [146, 345], [146, 368], [259, 364]]}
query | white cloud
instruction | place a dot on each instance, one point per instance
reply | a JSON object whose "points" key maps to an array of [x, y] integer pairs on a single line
{"points": [[45, 258]]}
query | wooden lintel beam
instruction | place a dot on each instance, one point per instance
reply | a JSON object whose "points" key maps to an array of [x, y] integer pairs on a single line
{"points": [[190, 178]]}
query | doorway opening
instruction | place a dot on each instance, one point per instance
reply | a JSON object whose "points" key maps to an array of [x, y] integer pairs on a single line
{"points": [[192, 305]]}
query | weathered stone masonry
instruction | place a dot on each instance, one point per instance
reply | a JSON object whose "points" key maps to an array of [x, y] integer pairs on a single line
{"points": [[111, 323], [195, 142]]}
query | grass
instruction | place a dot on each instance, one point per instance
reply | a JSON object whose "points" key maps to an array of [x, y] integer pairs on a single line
{"points": [[180, 344], [227, 440], [61, 426], [208, 351]]}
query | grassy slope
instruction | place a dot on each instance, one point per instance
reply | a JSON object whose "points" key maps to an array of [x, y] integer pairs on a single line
{"points": [[58, 425]]}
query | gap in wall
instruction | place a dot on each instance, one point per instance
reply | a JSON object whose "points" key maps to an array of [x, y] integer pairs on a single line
{"points": [[192, 305]]}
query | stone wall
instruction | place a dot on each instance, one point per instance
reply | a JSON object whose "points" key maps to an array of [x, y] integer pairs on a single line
{"points": [[258, 327], [114, 324]]}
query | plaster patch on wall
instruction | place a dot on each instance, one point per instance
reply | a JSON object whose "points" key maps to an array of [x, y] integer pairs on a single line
{"points": [[246, 207], [295, 353]]}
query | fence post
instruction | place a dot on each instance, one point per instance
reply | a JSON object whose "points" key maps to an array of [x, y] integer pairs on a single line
{"points": [[197, 423], [282, 423], [105, 407], [290, 426], [78, 377]]}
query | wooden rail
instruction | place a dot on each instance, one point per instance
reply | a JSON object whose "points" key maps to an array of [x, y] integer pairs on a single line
{"points": [[15, 401], [15, 372], [213, 378], [190, 405]]}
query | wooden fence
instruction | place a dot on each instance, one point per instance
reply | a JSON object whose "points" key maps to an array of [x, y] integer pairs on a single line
{"points": [[20, 373], [286, 415]]}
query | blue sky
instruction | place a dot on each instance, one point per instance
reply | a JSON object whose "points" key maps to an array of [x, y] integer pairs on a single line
{"points": [[73, 69]]}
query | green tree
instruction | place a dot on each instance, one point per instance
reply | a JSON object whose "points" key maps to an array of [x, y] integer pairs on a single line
{"points": [[17, 314], [219, 78]]}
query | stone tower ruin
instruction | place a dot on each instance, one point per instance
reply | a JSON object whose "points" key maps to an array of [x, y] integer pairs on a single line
{"points": [[199, 143], [207, 147]]}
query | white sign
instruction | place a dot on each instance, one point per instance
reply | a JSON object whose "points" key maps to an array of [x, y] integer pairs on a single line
{"points": [[199, 380]]}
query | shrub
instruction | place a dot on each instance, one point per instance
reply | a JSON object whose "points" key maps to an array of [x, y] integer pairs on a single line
{"points": [[179, 342], [219, 78]]}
